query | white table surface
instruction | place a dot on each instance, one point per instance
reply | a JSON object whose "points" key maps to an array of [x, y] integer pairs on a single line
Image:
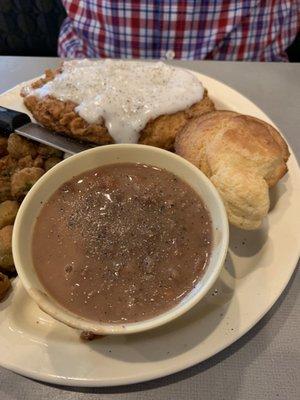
{"points": [[265, 363]]}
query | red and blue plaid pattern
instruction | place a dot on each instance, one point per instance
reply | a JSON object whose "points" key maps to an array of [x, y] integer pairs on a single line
{"points": [[191, 29]]}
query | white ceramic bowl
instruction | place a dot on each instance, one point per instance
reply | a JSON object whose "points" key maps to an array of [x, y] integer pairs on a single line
{"points": [[94, 158]]}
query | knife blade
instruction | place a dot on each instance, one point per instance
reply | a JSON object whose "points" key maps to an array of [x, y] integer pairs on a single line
{"points": [[15, 121]]}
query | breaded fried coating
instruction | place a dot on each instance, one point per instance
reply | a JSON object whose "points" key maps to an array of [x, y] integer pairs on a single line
{"points": [[60, 116], [50, 162], [23, 180], [8, 166], [162, 131], [25, 162], [5, 188], [19, 170], [28, 161], [47, 151], [6, 258], [4, 285], [8, 212], [19, 147], [38, 162]]}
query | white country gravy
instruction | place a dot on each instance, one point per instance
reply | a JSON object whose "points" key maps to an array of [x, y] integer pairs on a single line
{"points": [[123, 242], [126, 94]]}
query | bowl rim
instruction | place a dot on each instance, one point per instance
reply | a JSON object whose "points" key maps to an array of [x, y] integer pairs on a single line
{"points": [[57, 311]]}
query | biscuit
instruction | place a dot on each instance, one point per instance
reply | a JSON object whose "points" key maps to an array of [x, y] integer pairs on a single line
{"points": [[242, 155]]}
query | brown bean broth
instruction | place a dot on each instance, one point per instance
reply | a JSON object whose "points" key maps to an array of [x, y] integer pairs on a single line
{"points": [[122, 243]]}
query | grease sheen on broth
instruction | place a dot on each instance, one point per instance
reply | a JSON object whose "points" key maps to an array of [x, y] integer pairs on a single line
{"points": [[122, 243]]}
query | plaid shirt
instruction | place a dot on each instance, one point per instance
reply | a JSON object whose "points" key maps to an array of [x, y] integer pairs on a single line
{"points": [[206, 29]]}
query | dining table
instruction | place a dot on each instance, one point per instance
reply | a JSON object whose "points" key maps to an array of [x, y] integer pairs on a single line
{"points": [[265, 362]]}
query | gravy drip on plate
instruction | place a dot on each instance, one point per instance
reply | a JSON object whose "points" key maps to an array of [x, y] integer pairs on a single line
{"points": [[126, 94], [122, 243]]}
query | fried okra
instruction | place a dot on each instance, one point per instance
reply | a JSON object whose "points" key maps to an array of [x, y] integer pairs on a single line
{"points": [[23, 180], [50, 162], [5, 192], [47, 151], [8, 166], [28, 161], [6, 258], [8, 212], [4, 285], [19, 147]]}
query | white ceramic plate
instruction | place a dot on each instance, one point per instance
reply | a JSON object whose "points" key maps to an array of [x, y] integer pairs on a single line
{"points": [[258, 267]]}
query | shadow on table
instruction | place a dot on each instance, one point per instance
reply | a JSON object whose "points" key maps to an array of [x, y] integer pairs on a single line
{"points": [[235, 379]]}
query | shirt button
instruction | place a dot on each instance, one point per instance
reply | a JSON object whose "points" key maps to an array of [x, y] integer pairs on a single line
{"points": [[170, 54]]}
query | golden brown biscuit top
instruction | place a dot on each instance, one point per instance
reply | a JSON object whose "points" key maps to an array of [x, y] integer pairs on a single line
{"points": [[242, 155]]}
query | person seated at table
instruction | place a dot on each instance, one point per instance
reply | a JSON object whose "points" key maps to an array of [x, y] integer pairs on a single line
{"points": [[189, 30]]}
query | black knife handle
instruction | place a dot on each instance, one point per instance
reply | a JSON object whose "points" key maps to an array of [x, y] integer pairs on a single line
{"points": [[11, 120]]}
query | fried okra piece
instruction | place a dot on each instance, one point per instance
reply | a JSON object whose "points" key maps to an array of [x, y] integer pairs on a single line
{"points": [[19, 147], [28, 161], [23, 180], [6, 258], [3, 146], [5, 189], [47, 151], [38, 162], [50, 162], [25, 162], [4, 285], [8, 212], [8, 165]]}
